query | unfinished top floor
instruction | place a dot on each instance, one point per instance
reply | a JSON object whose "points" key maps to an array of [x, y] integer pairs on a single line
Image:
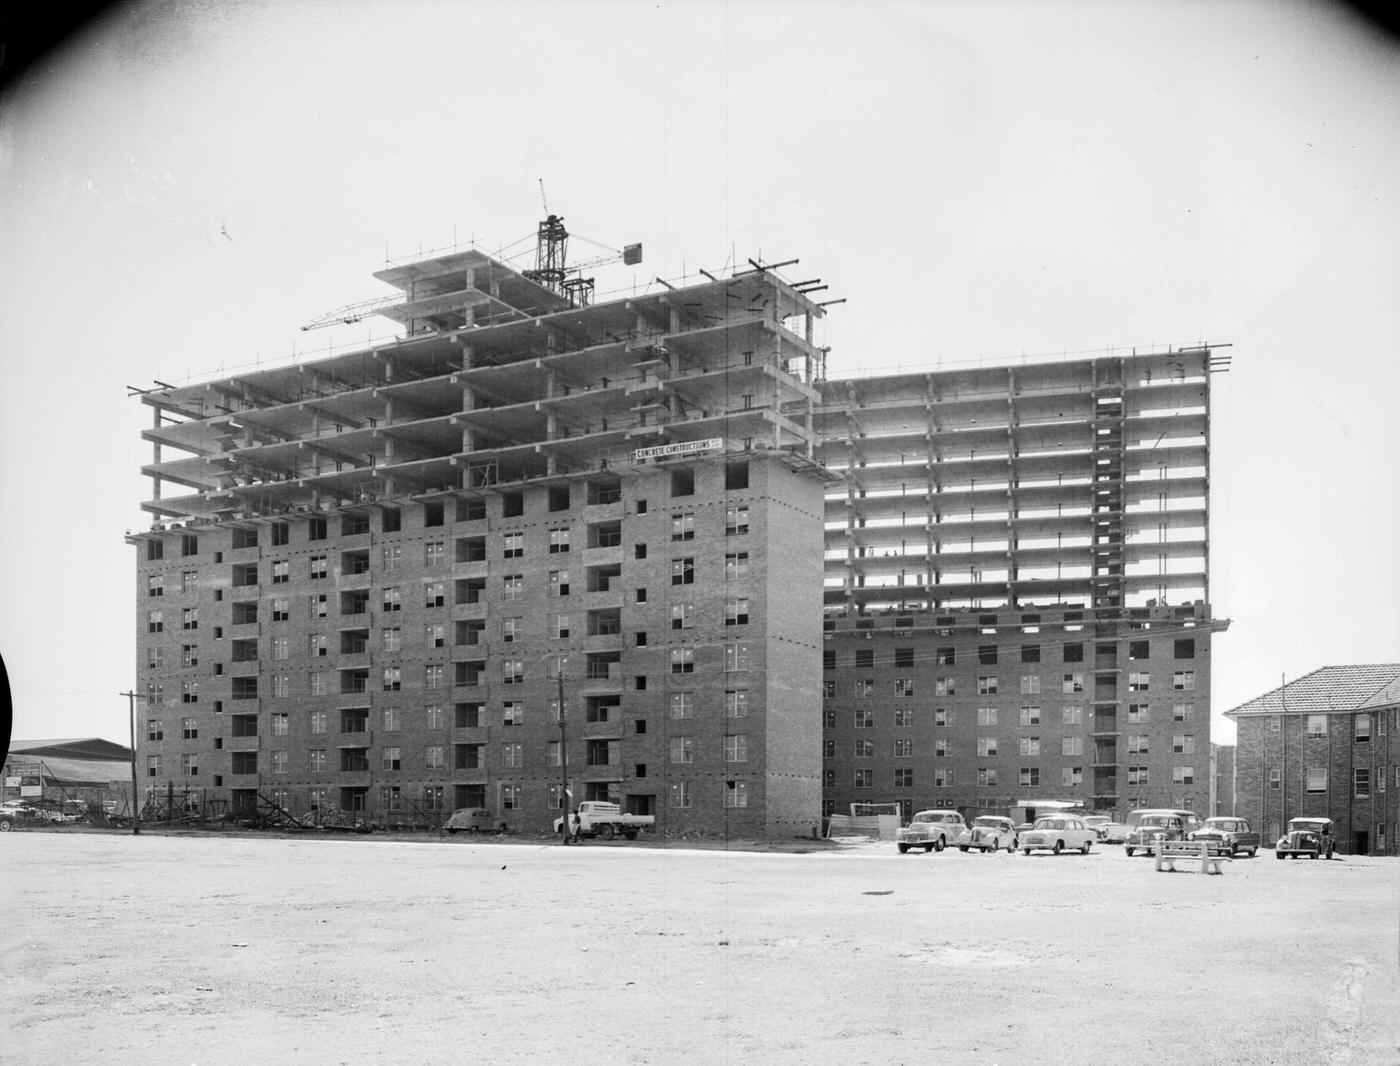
{"points": [[498, 380]]}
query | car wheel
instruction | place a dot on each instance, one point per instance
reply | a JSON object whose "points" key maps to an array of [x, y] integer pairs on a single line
{"points": [[963, 848], [5, 825], [939, 844], [903, 848], [928, 848], [1085, 848], [1329, 853], [1059, 846], [989, 848], [1279, 854], [1315, 854], [1025, 851], [452, 832], [1253, 852], [606, 831], [1128, 851]]}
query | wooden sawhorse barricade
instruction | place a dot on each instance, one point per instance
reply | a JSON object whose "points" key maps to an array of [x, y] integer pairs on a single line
{"points": [[1198, 851]]}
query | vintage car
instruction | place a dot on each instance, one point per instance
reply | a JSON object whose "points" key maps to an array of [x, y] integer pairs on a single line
{"points": [[1112, 832], [931, 830], [1057, 833], [18, 813], [1227, 836], [1151, 827], [1093, 821], [471, 820], [1306, 836], [988, 833]]}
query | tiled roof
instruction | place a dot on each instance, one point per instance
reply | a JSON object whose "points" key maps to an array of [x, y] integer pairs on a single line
{"points": [[1385, 697], [1329, 689]]}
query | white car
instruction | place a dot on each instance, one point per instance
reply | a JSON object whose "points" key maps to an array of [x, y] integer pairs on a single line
{"points": [[989, 833], [1057, 833], [931, 830], [1096, 822]]}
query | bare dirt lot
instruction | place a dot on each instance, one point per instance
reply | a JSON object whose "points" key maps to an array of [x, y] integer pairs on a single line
{"points": [[237, 948]]}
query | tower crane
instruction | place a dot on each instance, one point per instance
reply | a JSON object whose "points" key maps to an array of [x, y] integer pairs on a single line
{"points": [[550, 271], [551, 253]]}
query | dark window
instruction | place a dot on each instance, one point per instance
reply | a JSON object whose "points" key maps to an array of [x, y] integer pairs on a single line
{"points": [[987, 654], [1184, 648], [1074, 653], [512, 504], [736, 474], [1030, 653]]}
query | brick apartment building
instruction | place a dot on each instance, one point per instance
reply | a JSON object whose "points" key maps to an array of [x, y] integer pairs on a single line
{"points": [[1324, 746], [756, 590], [1016, 594]]}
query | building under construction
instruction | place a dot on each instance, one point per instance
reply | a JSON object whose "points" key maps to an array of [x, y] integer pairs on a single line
{"points": [[643, 549]]}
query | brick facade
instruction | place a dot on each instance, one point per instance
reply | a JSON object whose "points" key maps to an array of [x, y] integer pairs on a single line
{"points": [[1324, 746]]}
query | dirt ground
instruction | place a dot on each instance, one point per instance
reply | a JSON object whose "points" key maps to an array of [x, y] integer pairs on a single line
{"points": [[236, 948]]}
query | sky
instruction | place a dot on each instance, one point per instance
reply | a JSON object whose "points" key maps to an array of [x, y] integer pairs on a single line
{"points": [[186, 183]]}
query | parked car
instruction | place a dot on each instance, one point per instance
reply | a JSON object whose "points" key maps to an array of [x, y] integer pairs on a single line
{"points": [[931, 830], [1154, 826], [1228, 836], [1058, 833], [1093, 821], [988, 833], [471, 820], [1306, 836], [1113, 833], [18, 813]]}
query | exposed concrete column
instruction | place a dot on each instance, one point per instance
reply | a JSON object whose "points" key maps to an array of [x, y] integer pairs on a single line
{"points": [[155, 452]]}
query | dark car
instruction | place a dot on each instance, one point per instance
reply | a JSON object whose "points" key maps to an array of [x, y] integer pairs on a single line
{"points": [[1154, 827], [18, 813], [1306, 836]]}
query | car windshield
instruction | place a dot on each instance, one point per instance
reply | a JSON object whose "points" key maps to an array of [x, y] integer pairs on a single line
{"points": [[1307, 827], [988, 823], [1157, 820], [1050, 823]]}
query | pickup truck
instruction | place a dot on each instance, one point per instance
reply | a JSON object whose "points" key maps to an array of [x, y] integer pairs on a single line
{"points": [[606, 820]]}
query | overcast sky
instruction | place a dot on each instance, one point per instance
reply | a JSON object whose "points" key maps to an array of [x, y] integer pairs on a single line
{"points": [[189, 182]]}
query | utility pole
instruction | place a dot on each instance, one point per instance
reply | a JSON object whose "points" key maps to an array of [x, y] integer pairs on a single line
{"points": [[563, 749], [135, 810]]}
